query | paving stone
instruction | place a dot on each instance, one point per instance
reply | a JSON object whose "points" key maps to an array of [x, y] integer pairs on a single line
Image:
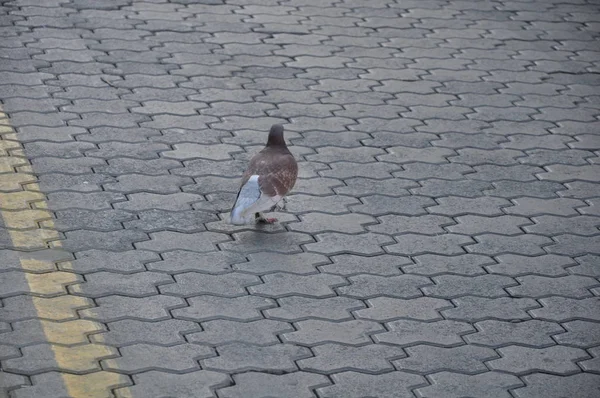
{"points": [[440, 188], [312, 332], [261, 332], [553, 225], [454, 385], [140, 357], [354, 384], [54, 386], [379, 205], [517, 189], [585, 385], [428, 359], [575, 245], [283, 284], [384, 139], [333, 358], [370, 286], [319, 222], [100, 260], [139, 284], [331, 243], [56, 182], [396, 225], [114, 308], [348, 264], [36, 331], [103, 220], [158, 220], [555, 359], [495, 333], [588, 265], [266, 263], [243, 308], [199, 384], [263, 385], [565, 309], [409, 332], [192, 284], [580, 190], [41, 357], [387, 309], [591, 364], [179, 261], [458, 206], [240, 357], [134, 183], [103, 134], [90, 201], [463, 264], [479, 308], [536, 207], [545, 157], [453, 286], [414, 245], [407, 155], [297, 308], [167, 240], [378, 170], [249, 241], [517, 265], [574, 286], [130, 331], [120, 240], [492, 244]]}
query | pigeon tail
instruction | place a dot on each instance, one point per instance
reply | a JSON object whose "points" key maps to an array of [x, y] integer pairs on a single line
{"points": [[251, 200]]}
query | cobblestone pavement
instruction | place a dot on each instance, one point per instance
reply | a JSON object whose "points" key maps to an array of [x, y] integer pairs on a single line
{"points": [[442, 240]]}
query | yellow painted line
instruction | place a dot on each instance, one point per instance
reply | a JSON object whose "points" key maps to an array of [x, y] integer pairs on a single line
{"points": [[31, 229]]}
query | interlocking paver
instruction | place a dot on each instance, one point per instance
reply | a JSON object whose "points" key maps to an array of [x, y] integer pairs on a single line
{"points": [[387, 309], [291, 385], [553, 386], [348, 264], [434, 264], [495, 333], [199, 384], [114, 308], [454, 385], [428, 359], [140, 357], [369, 286], [555, 360], [261, 332], [131, 331], [313, 332], [479, 308], [409, 332], [240, 357], [387, 385]]}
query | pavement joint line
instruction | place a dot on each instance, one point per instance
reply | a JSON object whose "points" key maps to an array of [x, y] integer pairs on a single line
{"points": [[75, 358]]}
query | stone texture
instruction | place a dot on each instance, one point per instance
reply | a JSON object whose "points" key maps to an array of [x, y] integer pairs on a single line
{"points": [[446, 204]]}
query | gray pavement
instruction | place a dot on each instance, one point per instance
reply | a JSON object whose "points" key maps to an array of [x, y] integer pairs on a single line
{"points": [[442, 240]]}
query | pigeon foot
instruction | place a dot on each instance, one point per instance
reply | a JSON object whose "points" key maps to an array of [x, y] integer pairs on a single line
{"points": [[260, 218]]}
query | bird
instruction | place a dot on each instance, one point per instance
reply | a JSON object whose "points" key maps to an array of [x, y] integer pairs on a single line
{"points": [[270, 175]]}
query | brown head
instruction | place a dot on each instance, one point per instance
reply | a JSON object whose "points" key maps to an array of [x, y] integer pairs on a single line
{"points": [[276, 136]]}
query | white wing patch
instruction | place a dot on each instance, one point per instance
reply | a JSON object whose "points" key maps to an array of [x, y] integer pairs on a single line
{"points": [[251, 200]]}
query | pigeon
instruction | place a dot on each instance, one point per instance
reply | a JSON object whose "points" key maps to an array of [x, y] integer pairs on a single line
{"points": [[271, 174]]}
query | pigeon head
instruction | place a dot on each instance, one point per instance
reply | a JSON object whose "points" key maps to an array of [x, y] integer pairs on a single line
{"points": [[276, 136]]}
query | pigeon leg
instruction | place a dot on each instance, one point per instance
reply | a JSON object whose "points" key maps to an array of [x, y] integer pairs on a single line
{"points": [[260, 218], [278, 206]]}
